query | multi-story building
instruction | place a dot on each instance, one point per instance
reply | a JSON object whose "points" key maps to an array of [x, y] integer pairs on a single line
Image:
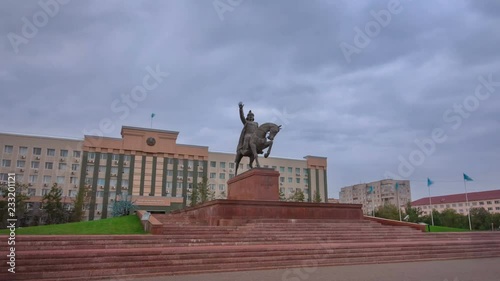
{"points": [[378, 193], [146, 166], [489, 200]]}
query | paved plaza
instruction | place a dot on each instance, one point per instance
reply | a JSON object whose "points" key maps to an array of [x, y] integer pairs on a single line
{"points": [[486, 269]]}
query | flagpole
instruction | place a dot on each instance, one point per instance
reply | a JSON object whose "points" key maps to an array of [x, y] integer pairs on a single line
{"points": [[467, 204], [151, 122], [430, 204], [399, 205]]}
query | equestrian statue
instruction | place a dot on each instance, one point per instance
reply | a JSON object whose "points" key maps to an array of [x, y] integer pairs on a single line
{"points": [[254, 138]]}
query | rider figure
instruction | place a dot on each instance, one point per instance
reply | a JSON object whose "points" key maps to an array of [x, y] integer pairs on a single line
{"points": [[249, 127]]}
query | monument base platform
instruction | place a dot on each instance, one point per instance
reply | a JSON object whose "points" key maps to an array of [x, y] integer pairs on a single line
{"points": [[238, 212]]}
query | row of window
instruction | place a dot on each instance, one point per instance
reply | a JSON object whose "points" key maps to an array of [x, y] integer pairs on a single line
{"points": [[293, 190], [481, 203], [23, 150], [222, 165], [36, 165], [45, 191]]}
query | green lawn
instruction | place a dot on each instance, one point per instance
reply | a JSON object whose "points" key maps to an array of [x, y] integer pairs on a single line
{"points": [[445, 229], [120, 225]]}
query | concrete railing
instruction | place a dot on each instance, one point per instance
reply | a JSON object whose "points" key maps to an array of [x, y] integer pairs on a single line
{"points": [[151, 224], [382, 221]]}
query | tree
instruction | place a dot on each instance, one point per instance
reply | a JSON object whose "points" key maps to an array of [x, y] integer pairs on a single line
{"points": [[21, 214], [481, 219], [204, 192], [80, 201], [282, 195], [123, 207], [387, 211], [317, 197], [298, 196], [53, 207], [450, 218], [414, 214], [193, 196]]}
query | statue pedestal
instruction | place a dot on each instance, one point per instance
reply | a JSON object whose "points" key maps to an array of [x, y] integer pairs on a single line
{"points": [[260, 184]]}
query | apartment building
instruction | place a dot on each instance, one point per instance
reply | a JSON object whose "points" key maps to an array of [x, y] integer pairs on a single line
{"points": [[489, 200], [378, 193], [146, 166]]}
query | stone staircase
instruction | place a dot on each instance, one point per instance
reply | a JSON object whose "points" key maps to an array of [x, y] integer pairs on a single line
{"points": [[190, 246]]}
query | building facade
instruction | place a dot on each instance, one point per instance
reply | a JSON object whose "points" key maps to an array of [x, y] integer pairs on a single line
{"points": [[378, 193], [489, 200], [146, 166]]}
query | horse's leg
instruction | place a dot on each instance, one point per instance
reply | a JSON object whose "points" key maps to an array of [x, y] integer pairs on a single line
{"points": [[255, 155], [250, 162], [237, 162], [270, 144]]}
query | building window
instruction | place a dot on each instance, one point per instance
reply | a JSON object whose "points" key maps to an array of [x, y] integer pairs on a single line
{"points": [[37, 151], [8, 149], [222, 176], [47, 179], [21, 163], [231, 165], [488, 202], [45, 191], [51, 152], [490, 209], [274, 168], [49, 165], [212, 175], [290, 169], [282, 179], [91, 156], [63, 166], [453, 205], [497, 201], [481, 203], [31, 192], [282, 169], [73, 180], [290, 180], [76, 154], [460, 205], [35, 164], [23, 150], [33, 178], [6, 163], [222, 187], [60, 179], [290, 189], [474, 203], [231, 176], [127, 158], [75, 167], [213, 164], [297, 171], [72, 193], [497, 208], [104, 156], [297, 180], [223, 165]]}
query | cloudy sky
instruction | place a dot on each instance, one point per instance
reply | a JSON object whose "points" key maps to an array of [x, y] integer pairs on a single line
{"points": [[404, 89]]}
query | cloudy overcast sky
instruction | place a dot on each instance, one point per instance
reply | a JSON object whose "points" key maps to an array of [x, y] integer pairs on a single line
{"points": [[359, 82]]}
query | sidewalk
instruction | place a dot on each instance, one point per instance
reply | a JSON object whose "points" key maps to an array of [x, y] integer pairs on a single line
{"points": [[487, 269]]}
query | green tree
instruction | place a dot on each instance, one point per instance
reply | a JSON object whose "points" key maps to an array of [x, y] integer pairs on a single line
{"points": [[450, 218], [123, 207], [193, 196], [480, 219], [387, 211], [317, 197], [298, 196], [80, 201], [53, 207], [20, 201], [204, 192], [414, 214], [282, 195]]}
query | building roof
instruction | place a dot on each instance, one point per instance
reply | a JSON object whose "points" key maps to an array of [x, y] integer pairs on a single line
{"points": [[454, 198]]}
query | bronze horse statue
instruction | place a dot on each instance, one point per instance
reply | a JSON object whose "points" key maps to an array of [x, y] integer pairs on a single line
{"points": [[257, 143]]}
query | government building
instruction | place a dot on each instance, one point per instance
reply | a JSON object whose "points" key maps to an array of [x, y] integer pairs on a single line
{"points": [[146, 166], [376, 194], [489, 200]]}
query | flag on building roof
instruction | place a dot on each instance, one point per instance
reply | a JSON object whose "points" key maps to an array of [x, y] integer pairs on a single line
{"points": [[467, 178], [397, 185], [152, 115], [370, 189]]}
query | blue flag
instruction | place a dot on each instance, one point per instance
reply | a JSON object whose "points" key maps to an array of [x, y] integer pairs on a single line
{"points": [[429, 182], [370, 189], [152, 115], [397, 185], [467, 178]]}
